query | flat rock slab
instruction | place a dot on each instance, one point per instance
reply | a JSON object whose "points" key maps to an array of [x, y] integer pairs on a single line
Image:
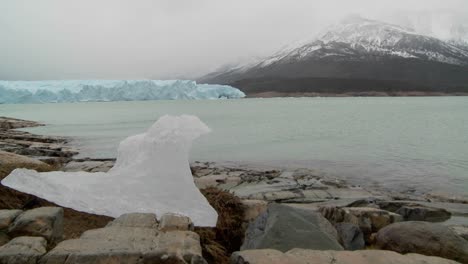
{"points": [[422, 213], [423, 238], [303, 256], [7, 159], [46, 222], [23, 250], [131, 238], [283, 228], [7, 217], [171, 222], [146, 220]]}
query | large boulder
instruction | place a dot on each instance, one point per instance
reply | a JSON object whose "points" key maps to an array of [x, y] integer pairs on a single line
{"points": [[23, 250], [7, 217], [350, 236], [422, 213], [304, 256], [46, 222], [131, 238], [283, 228], [369, 220], [423, 238]]}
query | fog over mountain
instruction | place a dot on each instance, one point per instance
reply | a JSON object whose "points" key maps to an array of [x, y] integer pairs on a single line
{"points": [[166, 39]]}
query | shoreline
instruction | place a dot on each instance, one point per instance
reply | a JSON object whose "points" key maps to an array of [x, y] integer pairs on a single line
{"points": [[256, 191], [273, 94], [56, 151]]}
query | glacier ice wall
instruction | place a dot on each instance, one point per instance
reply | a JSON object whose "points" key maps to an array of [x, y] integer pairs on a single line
{"points": [[151, 175], [110, 90]]}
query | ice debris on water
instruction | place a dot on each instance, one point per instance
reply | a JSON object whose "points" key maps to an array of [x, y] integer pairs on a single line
{"points": [[151, 175]]}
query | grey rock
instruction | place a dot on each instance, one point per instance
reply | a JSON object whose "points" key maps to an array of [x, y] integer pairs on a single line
{"points": [[23, 250], [89, 166], [453, 208], [131, 238], [7, 217], [350, 236], [283, 227], [423, 238], [46, 222], [135, 220], [253, 208], [369, 220], [421, 213], [305, 256], [461, 230], [171, 222]]}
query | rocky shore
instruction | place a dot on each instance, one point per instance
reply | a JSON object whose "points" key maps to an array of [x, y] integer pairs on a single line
{"points": [[267, 216]]}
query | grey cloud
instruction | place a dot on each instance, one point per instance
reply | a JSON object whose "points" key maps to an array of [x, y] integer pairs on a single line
{"points": [[117, 39]]}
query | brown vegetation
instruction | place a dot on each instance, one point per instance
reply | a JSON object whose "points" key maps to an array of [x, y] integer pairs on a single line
{"points": [[219, 242]]}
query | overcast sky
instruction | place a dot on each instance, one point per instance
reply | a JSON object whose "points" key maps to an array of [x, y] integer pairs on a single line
{"points": [[132, 39]]}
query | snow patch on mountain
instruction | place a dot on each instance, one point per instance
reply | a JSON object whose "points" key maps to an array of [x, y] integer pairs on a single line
{"points": [[355, 38]]}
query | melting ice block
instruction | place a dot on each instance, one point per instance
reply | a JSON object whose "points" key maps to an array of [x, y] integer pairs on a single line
{"points": [[151, 175]]}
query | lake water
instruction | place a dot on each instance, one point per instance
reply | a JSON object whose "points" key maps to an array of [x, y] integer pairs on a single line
{"points": [[400, 142]]}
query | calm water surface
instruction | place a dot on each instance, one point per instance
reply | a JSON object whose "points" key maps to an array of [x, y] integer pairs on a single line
{"points": [[402, 143]]}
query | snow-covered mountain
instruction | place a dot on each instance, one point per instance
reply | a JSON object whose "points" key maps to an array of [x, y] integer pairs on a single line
{"points": [[363, 49], [110, 90]]}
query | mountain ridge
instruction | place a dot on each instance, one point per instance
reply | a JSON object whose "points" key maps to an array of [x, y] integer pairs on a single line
{"points": [[359, 49]]}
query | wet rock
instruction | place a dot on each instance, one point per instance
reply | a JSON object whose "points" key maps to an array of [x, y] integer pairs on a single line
{"points": [[421, 213], [304, 256], [12, 160], [89, 166], [369, 220], [135, 220], [7, 217], [171, 222], [23, 250], [7, 123], [283, 227], [46, 222], [423, 238], [48, 148], [350, 236]]}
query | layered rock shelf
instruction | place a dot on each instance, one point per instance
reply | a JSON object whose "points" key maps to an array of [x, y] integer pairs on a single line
{"points": [[51, 149]]}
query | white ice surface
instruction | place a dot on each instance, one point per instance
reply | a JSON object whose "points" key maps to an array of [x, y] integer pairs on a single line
{"points": [[110, 90], [151, 175]]}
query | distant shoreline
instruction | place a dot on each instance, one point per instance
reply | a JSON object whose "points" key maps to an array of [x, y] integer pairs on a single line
{"points": [[273, 94]]}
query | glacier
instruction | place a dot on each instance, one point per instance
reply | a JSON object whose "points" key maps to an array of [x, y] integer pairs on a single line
{"points": [[57, 91], [151, 175]]}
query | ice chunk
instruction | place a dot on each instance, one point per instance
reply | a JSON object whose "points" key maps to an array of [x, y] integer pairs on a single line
{"points": [[110, 90], [151, 175]]}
